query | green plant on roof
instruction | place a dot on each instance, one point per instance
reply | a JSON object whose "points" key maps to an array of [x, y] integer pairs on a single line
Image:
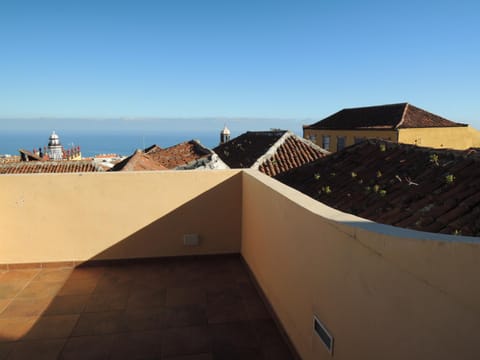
{"points": [[226, 153], [383, 147], [316, 176], [379, 174], [376, 188], [434, 159], [326, 189], [457, 232], [382, 193], [354, 174], [450, 178], [332, 174], [367, 189], [360, 181]]}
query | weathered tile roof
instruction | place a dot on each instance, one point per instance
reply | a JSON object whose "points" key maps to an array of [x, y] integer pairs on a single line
{"points": [[272, 152], [398, 184], [394, 116], [27, 167], [30, 156], [138, 161], [244, 150], [178, 155], [293, 152]]}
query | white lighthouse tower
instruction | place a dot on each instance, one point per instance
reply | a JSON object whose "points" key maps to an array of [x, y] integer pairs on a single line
{"points": [[55, 150]]}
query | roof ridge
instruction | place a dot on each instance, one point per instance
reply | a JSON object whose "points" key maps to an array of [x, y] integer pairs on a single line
{"points": [[271, 150], [403, 116]]}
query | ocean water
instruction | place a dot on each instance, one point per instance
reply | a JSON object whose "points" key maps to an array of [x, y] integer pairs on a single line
{"points": [[103, 142]]}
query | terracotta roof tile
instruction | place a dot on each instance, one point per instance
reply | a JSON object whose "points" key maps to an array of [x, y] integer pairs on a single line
{"points": [[244, 150], [397, 184], [390, 117], [138, 161], [48, 167], [178, 155], [292, 153]]}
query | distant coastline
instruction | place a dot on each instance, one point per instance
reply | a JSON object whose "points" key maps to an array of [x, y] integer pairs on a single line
{"points": [[101, 142]]}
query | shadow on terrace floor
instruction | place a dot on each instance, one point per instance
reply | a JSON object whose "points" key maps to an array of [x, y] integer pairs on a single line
{"points": [[179, 308]]}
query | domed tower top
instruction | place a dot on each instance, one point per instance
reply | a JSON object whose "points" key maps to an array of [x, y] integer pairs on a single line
{"points": [[54, 140], [55, 150], [224, 135]]}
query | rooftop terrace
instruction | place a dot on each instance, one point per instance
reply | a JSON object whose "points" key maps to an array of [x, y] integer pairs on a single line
{"points": [[381, 292]]}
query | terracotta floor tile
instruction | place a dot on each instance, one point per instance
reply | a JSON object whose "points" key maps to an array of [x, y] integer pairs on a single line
{"points": [[13, 329], [53, 275], [38, 349], [40, 289], [207, 356], [138, 345], [185, 296], [67, 304], [227, 352], [52, 327], [142, 319], [4, 303], [145, 298], [19, 275], [267, 333], [87, 273], [25, 307], [225, 306], [190, 315], [88, 347], [236, 335], [100, 323], [280, 352], [6, 349], [186, 341], [78, 286], [116, 300], [256, 309]]}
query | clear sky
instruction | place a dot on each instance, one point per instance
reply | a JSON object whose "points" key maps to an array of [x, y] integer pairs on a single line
{"points": [[300, 60]]}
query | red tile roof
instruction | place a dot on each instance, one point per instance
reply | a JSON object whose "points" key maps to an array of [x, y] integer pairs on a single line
{"points": [[398, 184], [292, 153], [395, 116], [272, 152], [178, 155], [244, 150], [26, 167], [138, 161]]}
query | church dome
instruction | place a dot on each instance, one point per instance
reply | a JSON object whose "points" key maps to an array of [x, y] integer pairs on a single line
{"points": [[54, 140], [225, 130]]}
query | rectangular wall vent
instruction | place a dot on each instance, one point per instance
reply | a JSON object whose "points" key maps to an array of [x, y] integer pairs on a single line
{"points": [[322, 332]]}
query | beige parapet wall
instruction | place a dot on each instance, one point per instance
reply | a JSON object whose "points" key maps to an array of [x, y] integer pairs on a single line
{"points": [[79, 217], [382, 292]]}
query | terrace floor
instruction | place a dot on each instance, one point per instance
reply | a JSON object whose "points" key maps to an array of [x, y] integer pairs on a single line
{"points": [[191, 308]]}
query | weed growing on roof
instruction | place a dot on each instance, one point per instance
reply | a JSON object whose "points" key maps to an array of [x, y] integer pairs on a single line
{"points": [[354, 174], [379, 174], [382, 193], [376, 188], [457, 232], [383, 147], [316, 176], [367, 189], [434, 159], [449, 179], [326, 189]]}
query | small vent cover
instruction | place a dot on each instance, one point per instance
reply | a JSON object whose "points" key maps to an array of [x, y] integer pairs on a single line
{"points": [[322, 332]]}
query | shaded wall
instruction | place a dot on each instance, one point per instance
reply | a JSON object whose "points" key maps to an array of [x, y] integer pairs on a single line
{"points": [[382, 292], [350, 135], [65, 217]]}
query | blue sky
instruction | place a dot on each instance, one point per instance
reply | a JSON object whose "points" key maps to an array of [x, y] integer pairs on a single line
{"points": [[295, 61]]}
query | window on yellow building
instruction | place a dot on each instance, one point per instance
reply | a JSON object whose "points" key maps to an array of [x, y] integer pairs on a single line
{"points": [[340, 143], [326, 142]]}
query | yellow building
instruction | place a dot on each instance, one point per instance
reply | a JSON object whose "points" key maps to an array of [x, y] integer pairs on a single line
{"points": [[402, 123]]}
